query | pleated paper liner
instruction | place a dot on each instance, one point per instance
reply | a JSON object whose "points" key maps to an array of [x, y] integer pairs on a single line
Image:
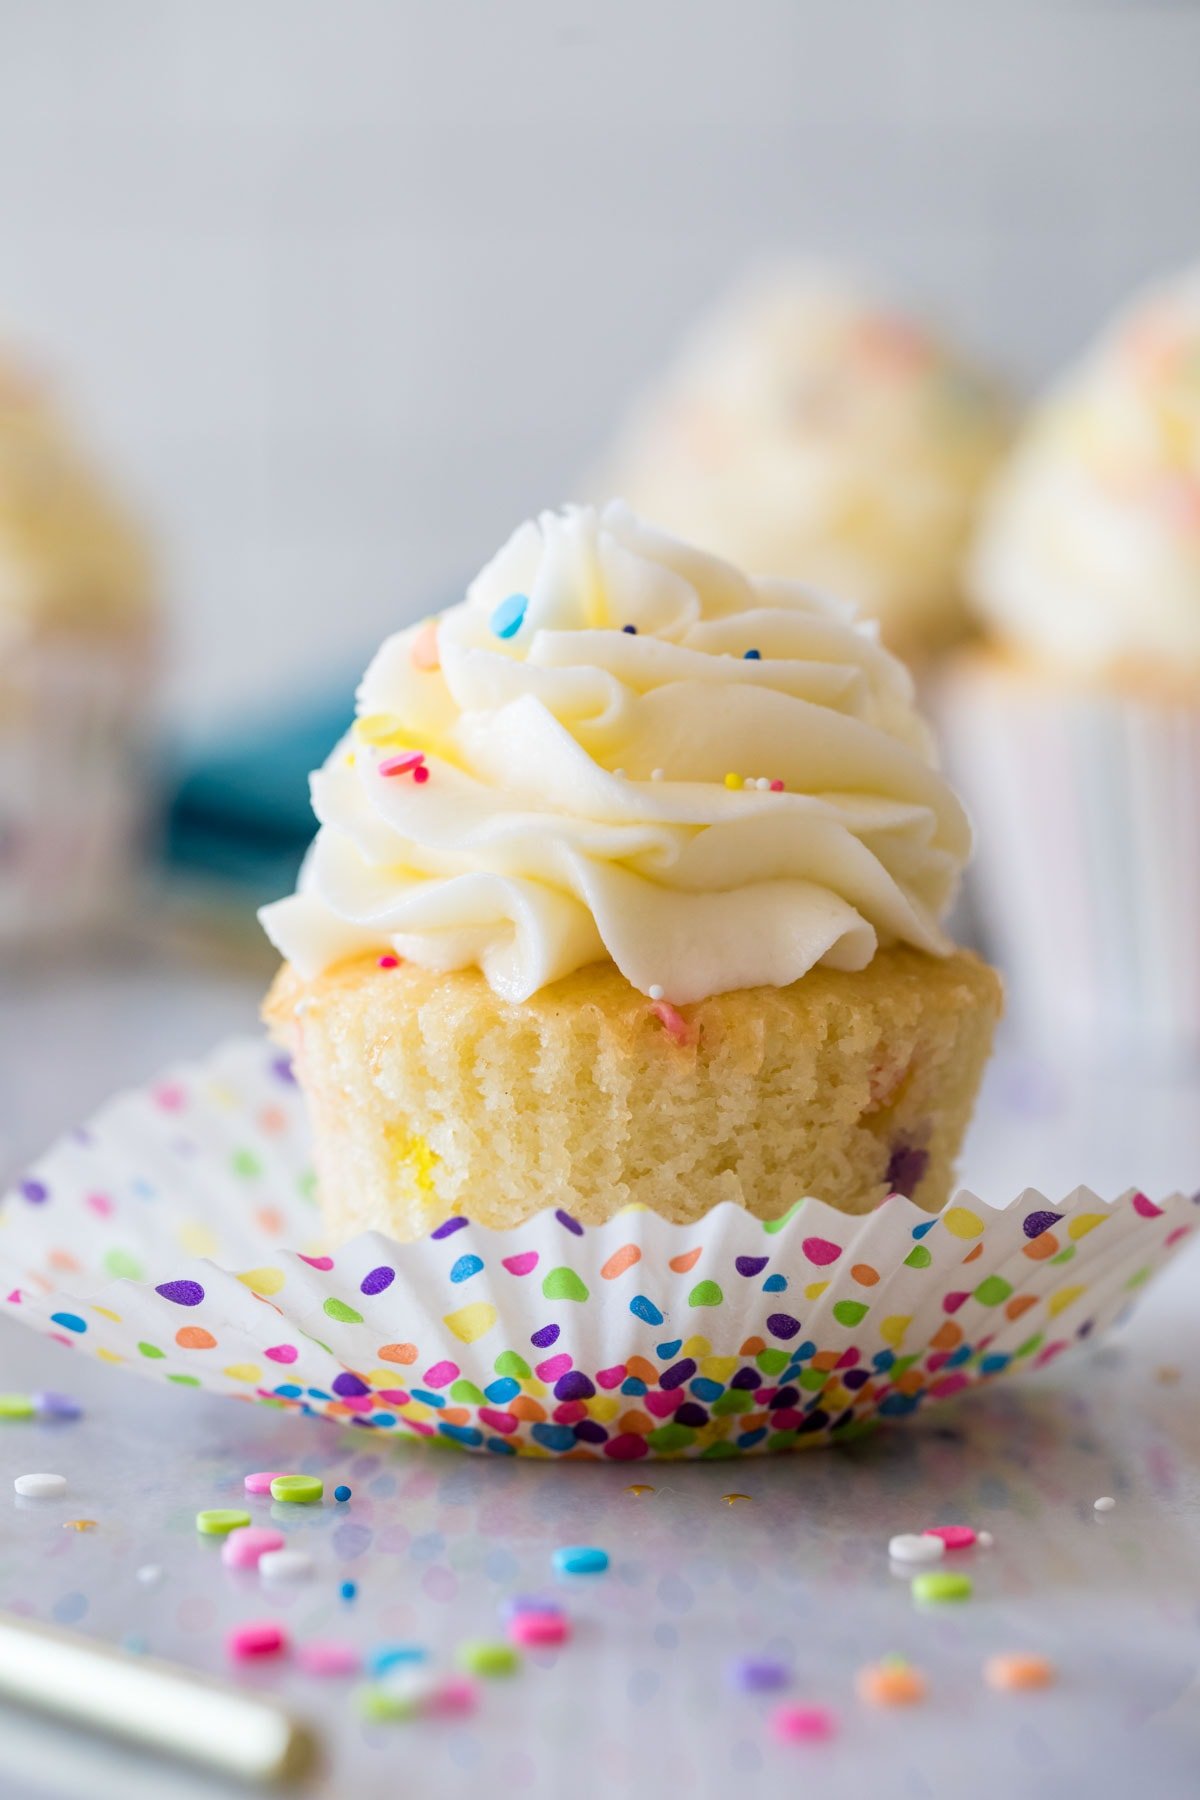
{"points": [[177, 1235]]}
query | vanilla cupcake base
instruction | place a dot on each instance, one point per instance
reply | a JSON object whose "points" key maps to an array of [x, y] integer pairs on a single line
{"points": [[430, 1096]]}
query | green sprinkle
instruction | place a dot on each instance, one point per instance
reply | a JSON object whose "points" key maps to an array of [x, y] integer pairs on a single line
{"points": [[850, 1312], [151, 1350], [124, 1266], [706, 1293], [467, 1394], [215, 1521], [992, 1290], [564, 1284], [302, 1490], [384, 1706], [918, 1257], [483, 1657], [771, 1361], [346, 1315], [16, 1406], [246, 1164], [938, 1585], [509, 1363]]}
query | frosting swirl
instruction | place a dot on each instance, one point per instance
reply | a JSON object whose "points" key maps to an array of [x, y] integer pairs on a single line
{"points": [[1090, 554], [586, 759]]}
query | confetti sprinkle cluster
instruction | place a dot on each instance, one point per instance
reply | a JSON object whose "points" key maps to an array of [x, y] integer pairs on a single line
{"points": [[637, 1339]]}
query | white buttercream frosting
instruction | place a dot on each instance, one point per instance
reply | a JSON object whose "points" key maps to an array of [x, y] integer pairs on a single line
{"points": [[577, 806], [1090, 553], [807, 431]]}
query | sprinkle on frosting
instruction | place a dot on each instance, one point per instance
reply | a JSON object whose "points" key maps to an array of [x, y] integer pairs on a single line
{"points": [[585, 806]]}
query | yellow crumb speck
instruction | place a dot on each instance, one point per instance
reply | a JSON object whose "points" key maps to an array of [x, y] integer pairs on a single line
{"points": [[732, 780]]}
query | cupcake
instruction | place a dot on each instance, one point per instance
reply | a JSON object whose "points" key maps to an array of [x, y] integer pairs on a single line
{"points": [[1076, 730], [627, 891], [807, 432], [75, 643]]}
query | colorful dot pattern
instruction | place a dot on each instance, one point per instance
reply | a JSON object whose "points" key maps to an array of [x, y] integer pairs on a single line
{"points": [[178, 1237]]}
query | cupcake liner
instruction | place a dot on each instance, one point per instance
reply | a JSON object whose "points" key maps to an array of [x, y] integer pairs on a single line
{"points": [[178, 1235], [72, 788], [1087, 864]]}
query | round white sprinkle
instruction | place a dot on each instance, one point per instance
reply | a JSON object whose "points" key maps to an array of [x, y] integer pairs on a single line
{"points": [[41, 1487], [149, 1574], [764, 782], [916, 1547], [1104, 1504], [656, 774], [984, 1539], [656, 993], [285, 1565]]}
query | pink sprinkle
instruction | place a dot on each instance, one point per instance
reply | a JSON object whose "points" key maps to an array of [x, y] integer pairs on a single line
{"points": [[672, 1022], [955, 1537], [400, 765], [243, 1547], [423, 651], [389, 962], [420, 774], [803, 1724], [260, 1481], [777, 786], [538, 1628], [325, 1656], [453, 1696], [246, 1642]]}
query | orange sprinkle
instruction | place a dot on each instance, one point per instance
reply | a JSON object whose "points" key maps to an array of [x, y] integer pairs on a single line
{"points": [[620, 1260], [79, 1524], [688, 1260], [1019, 1670], [890, 1684]]}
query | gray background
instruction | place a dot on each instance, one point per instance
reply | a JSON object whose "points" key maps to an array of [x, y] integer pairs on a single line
{"points": [[347, 288]]}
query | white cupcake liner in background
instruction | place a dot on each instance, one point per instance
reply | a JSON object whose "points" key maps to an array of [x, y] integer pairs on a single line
{"points": [[1086, 873], [72, 779], [156, 1238]]}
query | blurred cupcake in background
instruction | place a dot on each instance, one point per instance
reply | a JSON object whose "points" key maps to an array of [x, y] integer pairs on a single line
{"points": [[807, 432], [1076, 732], [76, 633]]}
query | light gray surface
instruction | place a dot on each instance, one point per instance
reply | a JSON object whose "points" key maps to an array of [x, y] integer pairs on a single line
{"points": [[350, 289], [639, 1703]]}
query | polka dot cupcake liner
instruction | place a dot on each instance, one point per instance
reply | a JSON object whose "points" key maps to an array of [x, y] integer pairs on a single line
{"points": [[178, 1235]]}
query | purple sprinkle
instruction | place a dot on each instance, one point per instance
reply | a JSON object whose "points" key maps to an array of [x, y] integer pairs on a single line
{"points": [[790, 1396], [448, 1228], [676, 1375], [281, 1068], [545, 1337], [346, 1383], [1037, 1222], [747, 1378], [906, 1169], [691, 1414], [377, 1280], [758, 1674], [52, 1405], [183, 1293], [34, 1190], [854, 1378], [591, 1431], [564, 1218], [782, 1325], [751, 1265], [530, 1603], [574, 1385]]}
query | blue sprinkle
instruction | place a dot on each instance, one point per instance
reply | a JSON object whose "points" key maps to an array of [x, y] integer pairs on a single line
{"points": [[775, 1284], [69, 1321], [465, 1267], [509, 616], [641, 1308], [667, 1351], [462, 1434], [580, 1559], [348, 1590], [704, 1389], [631, 629], [341, 1493], [883, 1360], [631, 1385], [501, 1446], [553, 1437], [390, 1656], [497, 1392], [919, 1231], [752, 656], [429, 1397], [992, 1365]]}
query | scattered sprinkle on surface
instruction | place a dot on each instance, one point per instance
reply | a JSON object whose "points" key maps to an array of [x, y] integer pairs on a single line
{"points": [[916, 1547], [580, 1559], [16, 1406], [79, 1524], [40, 1486], [1017, 1670], [348, 1590], [935, 1587], [479, 1656], [260, 1481], [758, 1674], [1104, 1504], [260, 1638], [300, 1490], [538, 1628], [803, 1724], [216, 1521], [342, 1492], [150, 1574], [890, 1683], [285, 1565], [955, 1537]]}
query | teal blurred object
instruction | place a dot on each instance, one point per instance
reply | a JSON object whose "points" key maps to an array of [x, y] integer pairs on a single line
{"points": [[239, 814]]}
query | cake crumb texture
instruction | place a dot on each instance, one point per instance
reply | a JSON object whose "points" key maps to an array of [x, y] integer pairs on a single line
{"points": [[430, 1095]]}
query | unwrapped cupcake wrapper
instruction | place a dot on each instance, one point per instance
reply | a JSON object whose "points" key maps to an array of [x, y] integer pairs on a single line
{"points": [[72, 779], [1086, 873], [177, 1235]]}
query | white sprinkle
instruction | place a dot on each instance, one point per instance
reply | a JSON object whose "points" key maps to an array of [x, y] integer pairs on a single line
{"points": [[984, 1539], [149, 1574], [916, 1547], [656, 992], [285, 1565], [656, 774], [1104, 1504], [764, 782], [40, 1487]]}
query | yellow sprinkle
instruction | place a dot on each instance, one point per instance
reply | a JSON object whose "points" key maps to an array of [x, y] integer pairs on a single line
{"points": [[733, 781], [732, 1499], [639, 1487], [79, 1524]]}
